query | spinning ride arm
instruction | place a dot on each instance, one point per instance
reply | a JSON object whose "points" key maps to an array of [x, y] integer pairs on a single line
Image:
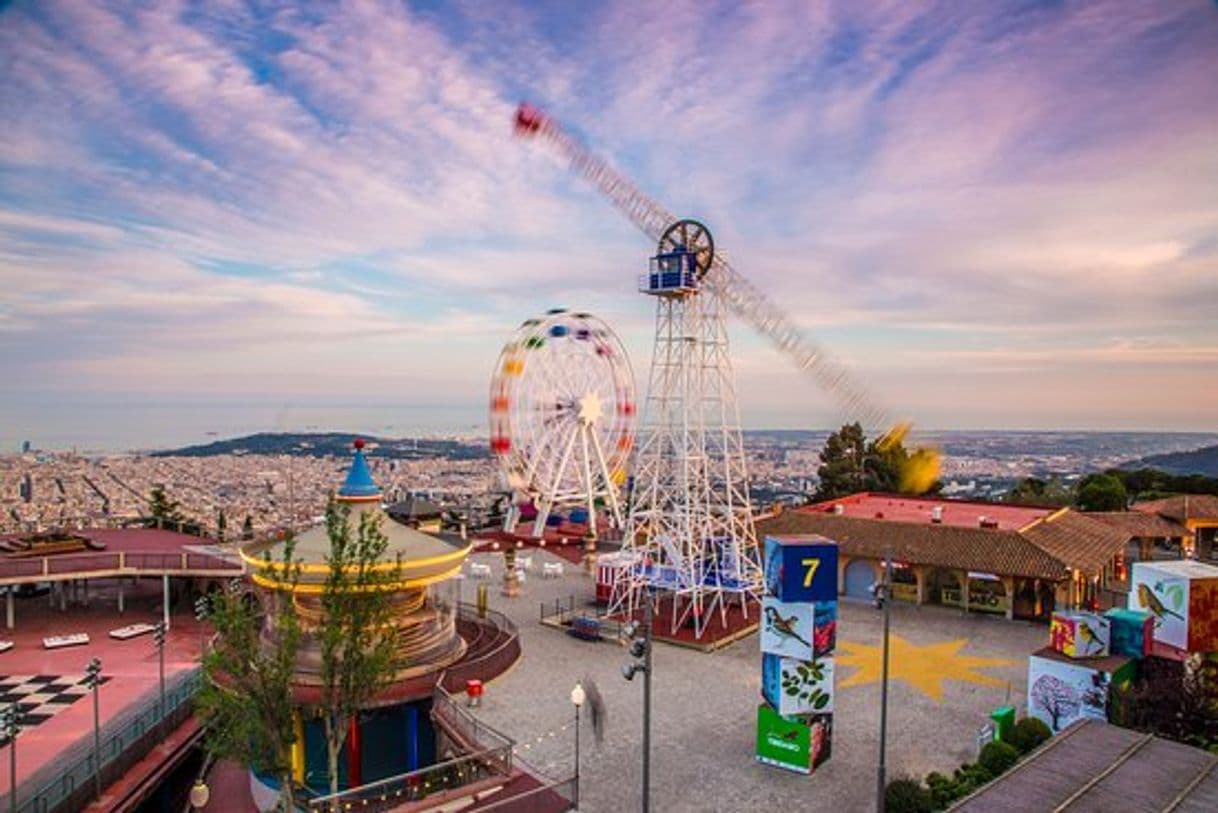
{"points": [[742, 297]]}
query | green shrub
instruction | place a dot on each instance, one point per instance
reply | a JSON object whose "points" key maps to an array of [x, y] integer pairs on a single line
{"points": [[907, 796], [997, 757], [1027, 734], [943, 789]]}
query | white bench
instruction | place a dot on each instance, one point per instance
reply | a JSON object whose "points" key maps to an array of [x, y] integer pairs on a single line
{"points": [[60, 641], [5, 646], [524, 563], [131, 631], [520, 574], [551, 570], [479, 571]]}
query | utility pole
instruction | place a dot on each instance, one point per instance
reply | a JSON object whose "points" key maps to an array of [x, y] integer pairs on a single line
{"points": [[883, 595], [158, 637], [10, 724]]}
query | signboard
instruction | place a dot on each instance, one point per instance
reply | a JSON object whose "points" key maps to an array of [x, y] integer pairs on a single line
{"points": [[783, 743], [797, 687], [984, 734], [787, 629], [801, 570]]}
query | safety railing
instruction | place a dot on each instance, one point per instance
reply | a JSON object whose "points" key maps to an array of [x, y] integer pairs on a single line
{"points": [[67, 784], [443, 777], [150, 563]]}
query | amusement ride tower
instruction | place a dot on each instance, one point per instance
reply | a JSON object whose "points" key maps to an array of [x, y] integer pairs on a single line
{"points": [[689, 532]]}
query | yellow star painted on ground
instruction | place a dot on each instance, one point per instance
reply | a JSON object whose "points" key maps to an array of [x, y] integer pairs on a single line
{"points": [[922, 667]]}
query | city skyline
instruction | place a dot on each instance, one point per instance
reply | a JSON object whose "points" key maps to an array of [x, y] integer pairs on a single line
{"points": [[998, 219]]}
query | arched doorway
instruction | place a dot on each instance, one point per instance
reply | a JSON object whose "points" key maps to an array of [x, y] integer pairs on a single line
{"points": [[942, 587], [858, 579]]}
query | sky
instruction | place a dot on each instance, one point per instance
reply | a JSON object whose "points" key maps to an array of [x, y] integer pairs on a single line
{"points": [[999, 215]]}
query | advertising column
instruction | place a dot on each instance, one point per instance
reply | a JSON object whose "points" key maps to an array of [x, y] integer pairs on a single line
{"points": [[798, 636]]}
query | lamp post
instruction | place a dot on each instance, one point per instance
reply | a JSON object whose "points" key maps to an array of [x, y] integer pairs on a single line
{"points": [[158, 636], [93, 681], [10, 725], [883, 596], [199, 794], [640, 647], [577, 700], [202, 609]]}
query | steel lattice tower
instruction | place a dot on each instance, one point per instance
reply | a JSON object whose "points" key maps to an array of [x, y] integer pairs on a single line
{"points": [[689, 532]]}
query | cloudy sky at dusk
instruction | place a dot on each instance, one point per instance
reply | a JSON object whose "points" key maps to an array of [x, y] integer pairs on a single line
{"points": [[1001, 215]]}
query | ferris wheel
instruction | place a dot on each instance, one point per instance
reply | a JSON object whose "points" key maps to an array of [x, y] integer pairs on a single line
{"points": [[562, 419]]}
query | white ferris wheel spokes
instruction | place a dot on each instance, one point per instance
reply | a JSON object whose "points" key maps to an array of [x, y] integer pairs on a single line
{"points": [[562, 419]]}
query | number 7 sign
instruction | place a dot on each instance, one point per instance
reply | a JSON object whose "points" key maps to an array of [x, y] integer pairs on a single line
{"points": [[801, 568]]}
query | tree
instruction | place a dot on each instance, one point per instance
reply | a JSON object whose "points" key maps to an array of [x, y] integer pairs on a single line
{"points": [[1102, 492], [165, 512], [245, 701], [356, 632], [221, 526], [1035, 491], [850, 463], [1056, 698]]}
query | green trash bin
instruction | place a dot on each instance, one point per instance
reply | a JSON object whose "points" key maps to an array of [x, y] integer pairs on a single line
{"points": [[1004, 720]]}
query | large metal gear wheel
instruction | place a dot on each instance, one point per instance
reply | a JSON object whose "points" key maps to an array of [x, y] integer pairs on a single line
{"points": [[691, 236]]}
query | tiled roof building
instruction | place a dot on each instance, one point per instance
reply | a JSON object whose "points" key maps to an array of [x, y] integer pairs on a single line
{"points": [[1022, 561]]}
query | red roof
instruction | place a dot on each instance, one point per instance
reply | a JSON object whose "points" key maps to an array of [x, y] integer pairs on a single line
{"points": [[960, 513]]}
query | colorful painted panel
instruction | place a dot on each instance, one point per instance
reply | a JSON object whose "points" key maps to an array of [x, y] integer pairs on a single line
{"points": [[787, 629], [1061, 692], [1203, 615], [1079, 635], [824, 632], [1165, 596], [796, 745], [795, 687], [1132, 632], [800, 570]]}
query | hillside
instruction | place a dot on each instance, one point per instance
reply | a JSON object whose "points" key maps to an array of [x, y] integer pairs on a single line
{"points": [[329, 444], [1198, 461]]}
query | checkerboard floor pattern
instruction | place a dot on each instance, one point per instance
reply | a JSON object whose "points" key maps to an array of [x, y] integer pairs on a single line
{"points": [[41, 697]]}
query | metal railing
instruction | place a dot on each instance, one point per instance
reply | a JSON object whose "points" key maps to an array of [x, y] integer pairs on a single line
{"points": [[152, 563], [414, 786], [66, 784], [560, 612]]}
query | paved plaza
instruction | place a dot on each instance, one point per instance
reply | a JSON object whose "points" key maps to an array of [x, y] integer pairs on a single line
{"points": [[949, 671]]}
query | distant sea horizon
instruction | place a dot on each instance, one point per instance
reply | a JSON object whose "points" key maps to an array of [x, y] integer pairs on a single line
{"points": [[117, 428]]}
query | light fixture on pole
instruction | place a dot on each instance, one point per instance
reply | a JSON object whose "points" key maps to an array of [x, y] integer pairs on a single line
{"points": [[640, 647], [200, 794], [577, 699], [158, 637], [202, 610], [93, 681], [10, 724], [883, 598]]}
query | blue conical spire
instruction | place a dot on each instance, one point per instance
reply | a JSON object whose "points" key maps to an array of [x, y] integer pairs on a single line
{"points": [[359, 482]]}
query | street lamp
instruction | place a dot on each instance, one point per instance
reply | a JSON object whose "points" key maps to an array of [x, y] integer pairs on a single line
{"points": [[577, 699], [10, 724], [93, 681], [640, 647], [883, 596], [199, 794], [158, 636], [202, 610]]}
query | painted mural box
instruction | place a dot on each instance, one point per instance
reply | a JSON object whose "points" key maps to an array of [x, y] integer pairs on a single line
{"points": [[1080, 635], [1132, 632], [795, 687], [1062, 690], [804, 631], [801, 568], [1183, 598], [799, 744]]}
